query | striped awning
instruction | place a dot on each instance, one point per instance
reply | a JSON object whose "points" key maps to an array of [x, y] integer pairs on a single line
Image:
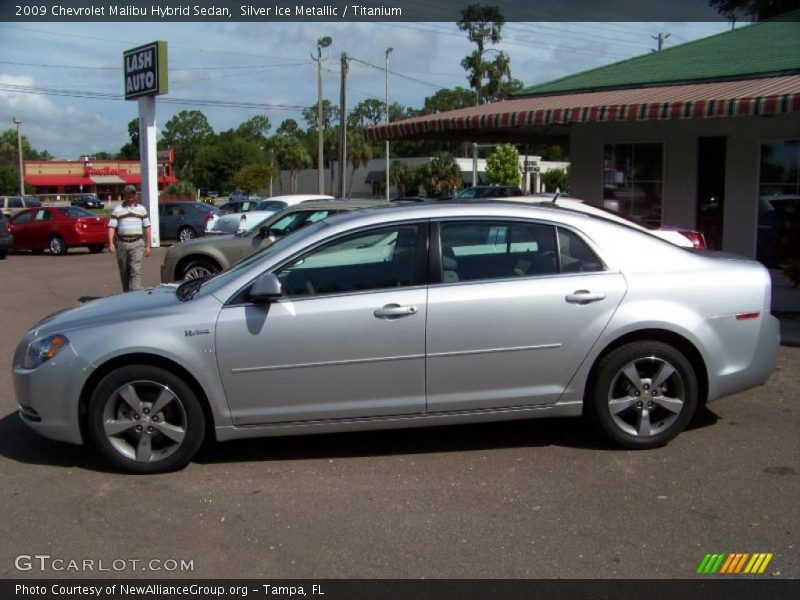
{"points": [[742, 98]]}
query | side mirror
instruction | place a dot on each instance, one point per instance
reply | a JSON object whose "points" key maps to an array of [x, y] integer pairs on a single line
{"points": [[263, 231], [265, 289]]}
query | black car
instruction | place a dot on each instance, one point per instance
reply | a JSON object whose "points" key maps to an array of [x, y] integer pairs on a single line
{"points": [[184, 221], [86, 201]]}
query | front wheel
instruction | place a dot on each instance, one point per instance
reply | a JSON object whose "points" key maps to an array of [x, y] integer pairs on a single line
{"points": [[644, 395], [57, 245], [186, 233], [144, 419]]}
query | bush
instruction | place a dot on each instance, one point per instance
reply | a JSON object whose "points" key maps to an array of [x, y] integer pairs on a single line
{"points": [[183, 188], [502, 166], [556, 180]]}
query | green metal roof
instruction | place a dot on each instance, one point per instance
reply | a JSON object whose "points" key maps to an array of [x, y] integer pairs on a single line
{"points": [[765, 48]]}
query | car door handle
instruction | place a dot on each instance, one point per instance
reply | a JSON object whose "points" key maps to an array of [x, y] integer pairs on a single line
{"points": [[584, 297], [394, 311]]}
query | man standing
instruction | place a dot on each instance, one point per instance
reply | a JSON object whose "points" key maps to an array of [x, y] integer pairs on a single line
{"points": [[129, 238]]}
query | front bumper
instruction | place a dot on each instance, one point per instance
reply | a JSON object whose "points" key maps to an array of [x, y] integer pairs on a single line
{"points": [[49, 396]]}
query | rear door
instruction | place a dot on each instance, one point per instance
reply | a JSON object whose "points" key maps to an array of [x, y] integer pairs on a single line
{"points": [[19, 229], [516, 310]]}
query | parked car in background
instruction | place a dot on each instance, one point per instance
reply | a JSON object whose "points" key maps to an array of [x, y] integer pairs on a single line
{"points": [[212, 254], [406, 316], [86, 201], [207, 193], [58, 228], [238, 221], [184, 221], [6, 239], [488, 191], [11, 205], [688, 238]]}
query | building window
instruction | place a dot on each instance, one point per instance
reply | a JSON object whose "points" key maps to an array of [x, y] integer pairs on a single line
{"points": [[778, 240], [633, 180]]}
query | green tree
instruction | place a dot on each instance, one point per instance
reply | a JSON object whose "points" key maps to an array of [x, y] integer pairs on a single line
{"points": [[367, 113], [754, 9], [9, 181], [8, 148], [100, 155], [254, 176], [255, 128], [187, 132], [293, 155], [182, 188], [447, 99], [502, 165], [359, 153], [483, 24], [440, 176], [130, 150], [288, 127], [404, 176], [556, 180], [330, 113], [216, 163]]}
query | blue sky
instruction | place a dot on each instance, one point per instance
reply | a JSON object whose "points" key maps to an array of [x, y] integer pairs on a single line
{"points": [[270, 63]]}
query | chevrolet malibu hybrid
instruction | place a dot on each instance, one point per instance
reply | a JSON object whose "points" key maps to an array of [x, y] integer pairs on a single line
{"points": [[406, 316]]}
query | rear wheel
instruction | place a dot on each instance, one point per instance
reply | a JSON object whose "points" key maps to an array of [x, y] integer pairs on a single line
{"points": [[96, 248], [57, 245], [198, 267], [644, 395], [186, 233], [144, 419]]}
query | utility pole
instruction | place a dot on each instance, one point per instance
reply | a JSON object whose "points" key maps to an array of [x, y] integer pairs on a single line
{"points": [[343, 128], [388, 52], [660, 38], [18, 122], [322, 42]]}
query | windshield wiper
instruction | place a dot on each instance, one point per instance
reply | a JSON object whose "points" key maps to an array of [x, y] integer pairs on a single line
{"points": [[188, 289]]}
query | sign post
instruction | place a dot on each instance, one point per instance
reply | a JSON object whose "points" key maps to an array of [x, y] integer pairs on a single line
{"points": [[146, 77]]}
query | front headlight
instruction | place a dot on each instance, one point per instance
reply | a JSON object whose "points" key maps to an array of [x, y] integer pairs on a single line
{"points": [[43, 349]]}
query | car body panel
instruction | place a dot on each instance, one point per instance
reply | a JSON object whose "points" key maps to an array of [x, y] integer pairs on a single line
{"points": [[173, 216]]}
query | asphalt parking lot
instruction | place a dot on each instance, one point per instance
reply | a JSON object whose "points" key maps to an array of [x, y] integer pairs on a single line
{"points": [[536, 499]]}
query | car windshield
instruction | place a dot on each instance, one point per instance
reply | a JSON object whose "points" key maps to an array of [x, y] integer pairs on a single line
{"points": [[75, 212], [231, 273]]}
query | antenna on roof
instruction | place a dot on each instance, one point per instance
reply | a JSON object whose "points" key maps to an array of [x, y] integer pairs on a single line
{"points": [[555, 196]]}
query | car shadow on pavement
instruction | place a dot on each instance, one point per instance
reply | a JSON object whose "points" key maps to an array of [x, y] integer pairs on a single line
{"points": [[19, 443], [573, 433]]}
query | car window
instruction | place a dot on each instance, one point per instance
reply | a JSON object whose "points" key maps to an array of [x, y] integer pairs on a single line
{"points": [[466, 194], [32, 202], [378, 259], [496, 250], [296, 220], [21, 218], [575, 255], [42, 215], [15, 203], [75, 212], [274, 205]]}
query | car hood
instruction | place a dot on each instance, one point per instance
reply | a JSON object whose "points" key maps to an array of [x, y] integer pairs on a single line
{"points": [[129, 306]]}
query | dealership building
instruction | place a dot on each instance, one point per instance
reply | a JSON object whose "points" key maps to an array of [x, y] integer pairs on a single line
{"points": [[106, 178], [705, 135]]}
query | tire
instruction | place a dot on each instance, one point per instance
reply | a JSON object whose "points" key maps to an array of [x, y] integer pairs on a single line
{"points": [[58, 246], [198, 267], [186, 233], [124, 426], [645, 413], [96, 248]]}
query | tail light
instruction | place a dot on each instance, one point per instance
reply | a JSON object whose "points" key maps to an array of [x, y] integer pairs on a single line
{"points": [[696, 237], [209, 216]]}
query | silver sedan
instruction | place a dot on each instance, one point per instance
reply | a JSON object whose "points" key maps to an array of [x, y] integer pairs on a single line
{"points": [[406, 317]]}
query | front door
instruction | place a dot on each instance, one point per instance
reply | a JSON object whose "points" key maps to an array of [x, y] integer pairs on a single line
{"points": [[518, 308], [346, 340]]}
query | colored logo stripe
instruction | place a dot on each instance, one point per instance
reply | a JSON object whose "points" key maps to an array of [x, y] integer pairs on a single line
{"points": [[734, 563]]}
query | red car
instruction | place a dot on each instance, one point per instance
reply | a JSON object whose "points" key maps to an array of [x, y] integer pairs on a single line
{"points": [[58, 228]]}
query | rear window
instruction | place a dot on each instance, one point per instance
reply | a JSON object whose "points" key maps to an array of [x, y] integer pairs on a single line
{"points": [[75, 212], [32, 202]]}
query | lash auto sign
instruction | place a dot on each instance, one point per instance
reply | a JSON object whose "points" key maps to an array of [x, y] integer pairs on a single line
{"points": [[146, 70]]}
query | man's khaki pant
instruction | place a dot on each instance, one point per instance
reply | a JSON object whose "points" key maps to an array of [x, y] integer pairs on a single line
{"points": [[129, 261]]}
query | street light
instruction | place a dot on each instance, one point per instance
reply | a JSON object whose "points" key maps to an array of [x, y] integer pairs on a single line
{"points": [[18, 122], [322, 42], [388, 52]]}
